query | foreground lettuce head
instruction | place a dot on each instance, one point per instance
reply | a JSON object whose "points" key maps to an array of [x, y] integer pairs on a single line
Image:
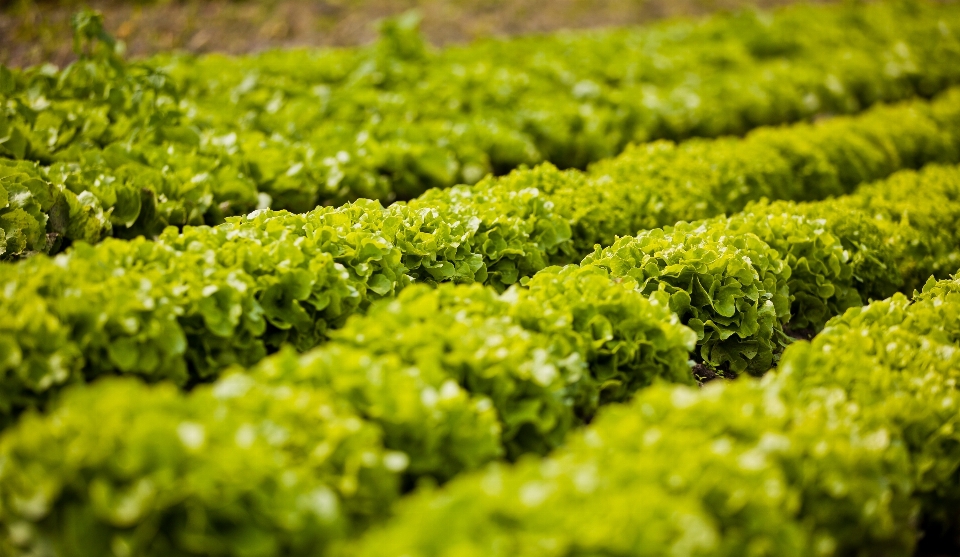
{"points": [[839, 452], [239, 469]]}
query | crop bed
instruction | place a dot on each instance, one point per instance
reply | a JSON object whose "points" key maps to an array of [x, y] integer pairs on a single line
{"points": [[683, 290]]}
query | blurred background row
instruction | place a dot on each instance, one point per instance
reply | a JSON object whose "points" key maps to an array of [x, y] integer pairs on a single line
{"points": [[33, 32]]}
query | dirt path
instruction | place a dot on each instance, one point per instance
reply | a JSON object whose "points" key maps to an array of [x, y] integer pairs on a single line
{"points": [[32, 33]]}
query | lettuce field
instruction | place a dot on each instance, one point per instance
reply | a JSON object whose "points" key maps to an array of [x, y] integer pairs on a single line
{"points": [[690, 289]]}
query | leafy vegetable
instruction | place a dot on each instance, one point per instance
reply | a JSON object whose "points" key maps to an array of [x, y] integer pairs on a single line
{"points": [[179, 141], [834, 454]]}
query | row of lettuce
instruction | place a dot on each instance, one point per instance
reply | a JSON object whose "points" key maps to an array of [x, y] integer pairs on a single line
{"points": [[105, 147], [300, 453], [847, 449], [199, 300]]}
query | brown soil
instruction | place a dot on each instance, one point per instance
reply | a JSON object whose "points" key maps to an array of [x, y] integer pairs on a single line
{"points": [[705, 374], [36, 32], [799, 334]]}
